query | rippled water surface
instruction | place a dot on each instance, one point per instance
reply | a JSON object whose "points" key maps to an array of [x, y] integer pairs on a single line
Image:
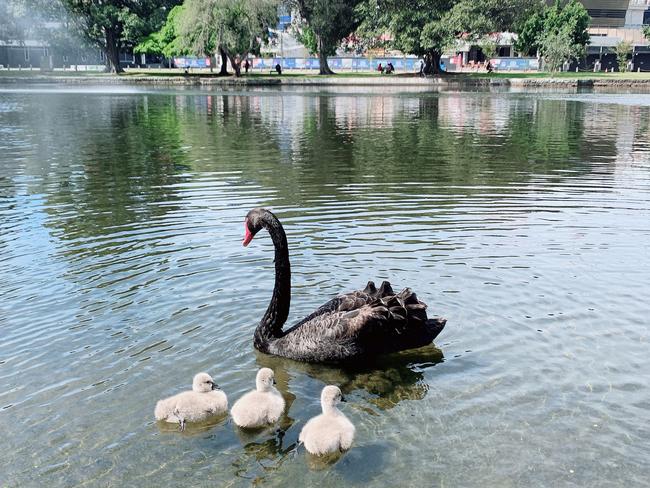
{"points": [[524, 218]]}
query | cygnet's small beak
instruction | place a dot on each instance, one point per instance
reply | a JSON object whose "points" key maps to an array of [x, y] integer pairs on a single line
{"points": [[275, 382], [343, 399], [215, 386]]}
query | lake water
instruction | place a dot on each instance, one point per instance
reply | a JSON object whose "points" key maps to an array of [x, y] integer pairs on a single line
{"points": [[523, 218]]}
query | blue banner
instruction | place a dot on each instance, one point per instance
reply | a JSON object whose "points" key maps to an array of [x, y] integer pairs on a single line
{"points": [[517, 64], [190, 62]]}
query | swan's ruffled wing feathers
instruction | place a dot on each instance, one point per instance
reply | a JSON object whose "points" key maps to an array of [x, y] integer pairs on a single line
{"points": [[369, 321], [328, 307], [349, 301]]}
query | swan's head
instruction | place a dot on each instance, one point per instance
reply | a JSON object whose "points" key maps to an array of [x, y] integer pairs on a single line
{"points": [[254, 223], [265, 379], [203, 383], [330, 397]]}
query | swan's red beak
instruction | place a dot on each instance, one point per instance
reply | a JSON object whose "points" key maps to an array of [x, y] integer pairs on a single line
{"points": [[248, 237]]}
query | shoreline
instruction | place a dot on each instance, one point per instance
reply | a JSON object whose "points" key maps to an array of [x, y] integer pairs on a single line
{"points": [[455, 81]]}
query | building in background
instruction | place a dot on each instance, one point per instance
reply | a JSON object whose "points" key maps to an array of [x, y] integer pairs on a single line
{"points": [[613, 21]]}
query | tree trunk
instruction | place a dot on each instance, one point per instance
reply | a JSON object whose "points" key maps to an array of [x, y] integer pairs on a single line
{"points": [[235, 61], [322, 60], [432, 63], [112, 52], [435, 61], [224, 62]]}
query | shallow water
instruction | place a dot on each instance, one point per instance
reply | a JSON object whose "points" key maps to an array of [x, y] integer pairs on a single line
{"points": [[523, 218]]}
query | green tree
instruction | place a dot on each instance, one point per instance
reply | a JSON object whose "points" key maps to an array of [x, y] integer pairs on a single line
{"points": [[114, 24], [546, 24], [414, 26], [489, 47], [306, 36], [165, 41], [556, 47], [234, 28], [244, 27], [428, 27], [325, 24], [530, 33], [623, 51], [646, 32]]}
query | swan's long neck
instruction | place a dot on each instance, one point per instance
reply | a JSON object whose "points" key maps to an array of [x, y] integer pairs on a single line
{"points": [[329, 409], [270, 326]]}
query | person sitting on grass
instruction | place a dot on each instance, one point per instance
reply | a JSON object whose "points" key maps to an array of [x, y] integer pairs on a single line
{"points": [[278, 68]]}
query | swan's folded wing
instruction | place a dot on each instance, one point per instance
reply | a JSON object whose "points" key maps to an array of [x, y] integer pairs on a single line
{"points": [[350, 301], [328, 307], [370, 321]]}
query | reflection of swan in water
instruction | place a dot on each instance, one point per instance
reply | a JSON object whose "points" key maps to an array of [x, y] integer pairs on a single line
{"points": [[387, 380]]}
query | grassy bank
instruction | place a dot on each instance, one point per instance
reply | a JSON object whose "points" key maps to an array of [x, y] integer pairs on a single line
{"points": [[581, 75], [637, 81], [297, 75]]}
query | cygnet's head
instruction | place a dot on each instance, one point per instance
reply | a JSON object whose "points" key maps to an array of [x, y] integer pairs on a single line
{"points": [[331, 396], [203, 383], [265, 379]]}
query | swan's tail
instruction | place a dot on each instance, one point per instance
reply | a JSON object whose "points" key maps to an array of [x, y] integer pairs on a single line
{"points": [[406, 315], [436, 325]]}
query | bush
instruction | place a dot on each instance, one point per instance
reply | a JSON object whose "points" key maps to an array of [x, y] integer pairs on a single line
{"points": [[623, 51]]}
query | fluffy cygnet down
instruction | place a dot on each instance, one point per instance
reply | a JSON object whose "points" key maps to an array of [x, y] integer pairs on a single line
{"points": [[259, 407], [330, 431], [204, 401]]}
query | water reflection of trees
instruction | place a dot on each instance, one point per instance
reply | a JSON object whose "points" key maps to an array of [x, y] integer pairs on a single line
{"points": [[129, 152], [314, 141], [123, 160]]}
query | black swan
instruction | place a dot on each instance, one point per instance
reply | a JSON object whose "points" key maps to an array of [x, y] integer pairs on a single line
{"points": [[359, 324]]}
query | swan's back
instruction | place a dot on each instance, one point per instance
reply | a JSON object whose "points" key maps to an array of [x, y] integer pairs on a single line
{"points": [[327, 433], [191, 406], [361, 323], [256, 408]]}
